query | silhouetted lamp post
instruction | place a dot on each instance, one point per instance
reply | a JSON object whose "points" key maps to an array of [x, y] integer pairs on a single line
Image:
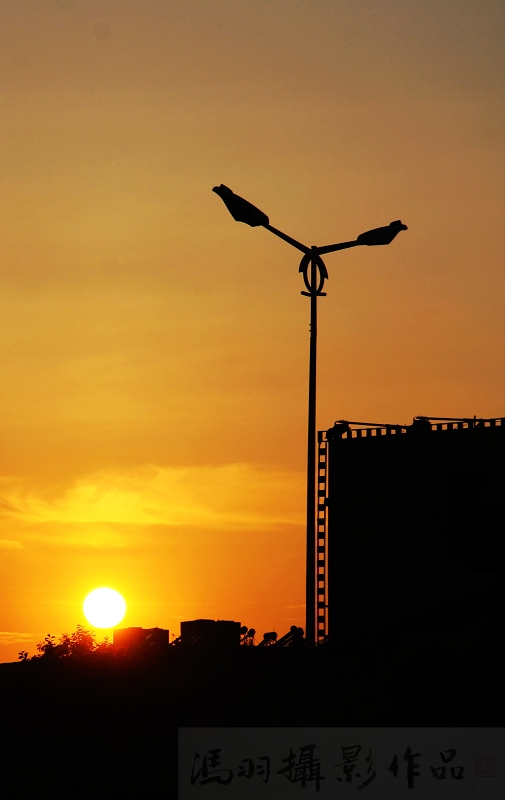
{"points": [[314, 275]]}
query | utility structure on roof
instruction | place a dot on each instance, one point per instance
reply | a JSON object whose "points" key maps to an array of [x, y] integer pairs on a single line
{"points": [[314, 274]]}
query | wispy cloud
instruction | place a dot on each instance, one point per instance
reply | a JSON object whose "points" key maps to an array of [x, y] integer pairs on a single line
{"points": [[97, 508], [10, 544], [13, 637]]}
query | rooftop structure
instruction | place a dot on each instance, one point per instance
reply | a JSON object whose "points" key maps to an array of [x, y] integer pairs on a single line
{"points": [[140, 637], [211, 634]]}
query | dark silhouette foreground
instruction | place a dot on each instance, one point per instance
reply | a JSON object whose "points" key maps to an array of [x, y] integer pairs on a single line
{"points": [[113, 717]]}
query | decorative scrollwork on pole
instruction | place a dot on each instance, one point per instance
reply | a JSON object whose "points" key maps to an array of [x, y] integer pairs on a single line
{"points": [[320, 272]]}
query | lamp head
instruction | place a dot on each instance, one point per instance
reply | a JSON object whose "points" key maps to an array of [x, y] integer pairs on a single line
{"points": [[240, 209], [383, 235]]}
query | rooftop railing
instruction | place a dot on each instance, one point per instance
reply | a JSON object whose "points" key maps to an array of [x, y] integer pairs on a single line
{"points": [[356, 430]]}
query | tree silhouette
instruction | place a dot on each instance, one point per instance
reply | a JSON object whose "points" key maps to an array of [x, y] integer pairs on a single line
{"points": [[81, 643]]}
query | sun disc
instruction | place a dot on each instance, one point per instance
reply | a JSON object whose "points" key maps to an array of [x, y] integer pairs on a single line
{"points": [[104, 608]]}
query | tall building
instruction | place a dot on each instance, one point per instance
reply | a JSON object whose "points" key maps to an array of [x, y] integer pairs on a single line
{"points": [[411, 524]]}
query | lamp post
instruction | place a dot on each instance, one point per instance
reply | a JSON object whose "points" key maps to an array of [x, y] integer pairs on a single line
{"points": [[314, 274]]}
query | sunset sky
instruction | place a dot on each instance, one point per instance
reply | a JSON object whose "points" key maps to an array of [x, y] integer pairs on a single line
{"points": [[155, 352]]}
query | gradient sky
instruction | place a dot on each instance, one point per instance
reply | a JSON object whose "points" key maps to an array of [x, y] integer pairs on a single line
{"points": [[155, 353]]}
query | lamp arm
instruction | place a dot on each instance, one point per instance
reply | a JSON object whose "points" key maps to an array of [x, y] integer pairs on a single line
{"points": [[330, 248], [288, 239]]}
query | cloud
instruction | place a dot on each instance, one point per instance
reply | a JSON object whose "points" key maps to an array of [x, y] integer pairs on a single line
{"points": [[10, 544], [108, 508], [13, 637]]}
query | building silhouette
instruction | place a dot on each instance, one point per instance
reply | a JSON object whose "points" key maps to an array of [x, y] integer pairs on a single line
{"points": [[411, 525], [210, 634], [140, 637]]}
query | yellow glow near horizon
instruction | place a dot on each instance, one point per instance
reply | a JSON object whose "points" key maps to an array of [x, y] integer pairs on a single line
{"points": [[104, 608]]}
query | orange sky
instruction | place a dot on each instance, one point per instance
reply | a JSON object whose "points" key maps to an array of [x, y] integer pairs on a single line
{"points": [[155, 353]]}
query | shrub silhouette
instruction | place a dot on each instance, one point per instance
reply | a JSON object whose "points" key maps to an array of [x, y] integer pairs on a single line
{"points": [[77, 645]]}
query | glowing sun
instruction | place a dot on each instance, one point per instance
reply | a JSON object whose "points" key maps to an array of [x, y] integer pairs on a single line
{"points": [[104, 608]]}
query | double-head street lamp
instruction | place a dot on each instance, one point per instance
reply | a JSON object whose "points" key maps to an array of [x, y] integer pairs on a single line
{"points": [[314, 275]]}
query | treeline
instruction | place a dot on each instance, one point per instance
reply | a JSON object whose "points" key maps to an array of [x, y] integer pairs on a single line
{"points": [[82, 643]]}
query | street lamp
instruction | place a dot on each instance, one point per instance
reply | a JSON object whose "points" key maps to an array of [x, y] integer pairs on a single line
{"points": [[314, 274]]}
